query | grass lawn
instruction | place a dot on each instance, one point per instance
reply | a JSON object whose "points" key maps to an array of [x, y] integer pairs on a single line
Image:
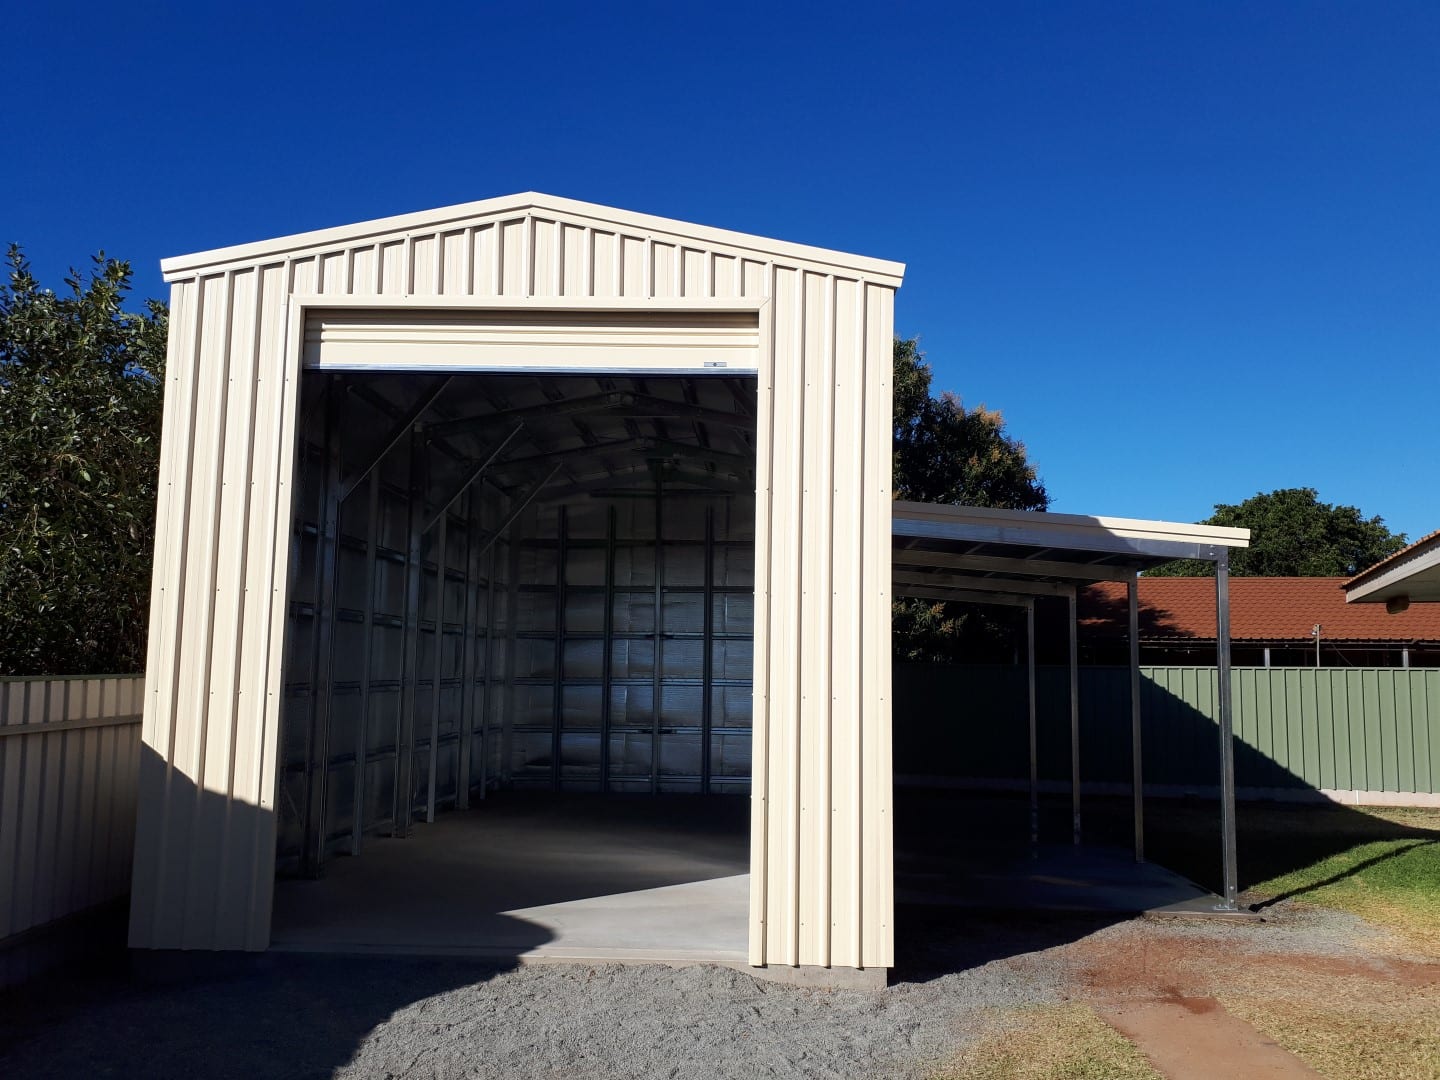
{"points": [[1058, 1042], [1388, 873], [1346, 1028], [1378, 863]]}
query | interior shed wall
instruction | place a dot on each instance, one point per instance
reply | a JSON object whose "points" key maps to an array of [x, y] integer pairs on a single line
{"points": [[622, 605], [821, 883], [539, 647], [356, 730]]}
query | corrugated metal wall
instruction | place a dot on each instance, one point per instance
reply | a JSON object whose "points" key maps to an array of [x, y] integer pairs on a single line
{"points": [[1331, 729], [658, 695], [343, 751], [627, 666], [821, 849], [69, 752]]}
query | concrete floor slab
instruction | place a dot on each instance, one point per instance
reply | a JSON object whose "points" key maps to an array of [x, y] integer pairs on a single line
{"points": [[654, 879], [1049, 878], [524, 875]]}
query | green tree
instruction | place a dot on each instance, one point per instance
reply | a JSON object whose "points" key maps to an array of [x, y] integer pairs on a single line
{"points": [[1294, 534], [947, 453], [80, 405]]}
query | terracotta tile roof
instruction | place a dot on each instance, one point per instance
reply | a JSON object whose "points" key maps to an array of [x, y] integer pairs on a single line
{"points": [[1261, 609], [1390, 560]]}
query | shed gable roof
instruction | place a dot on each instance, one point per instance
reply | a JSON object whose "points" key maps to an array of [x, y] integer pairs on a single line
{"points": [[531, 204]]}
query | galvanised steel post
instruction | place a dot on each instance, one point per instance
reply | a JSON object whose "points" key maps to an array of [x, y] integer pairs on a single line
{"points": [[1227, 739], [1074, 722], [1137, 779], [1034, 727]]}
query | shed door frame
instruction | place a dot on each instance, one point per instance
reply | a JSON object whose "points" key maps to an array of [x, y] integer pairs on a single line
{"points": [[583, 335], [401, 308]]}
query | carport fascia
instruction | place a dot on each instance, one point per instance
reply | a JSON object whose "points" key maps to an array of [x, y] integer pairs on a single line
{"points": [[1010, 557]]}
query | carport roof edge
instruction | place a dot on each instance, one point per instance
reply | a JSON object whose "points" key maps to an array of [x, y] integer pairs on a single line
{"points": [[1075, 547], [180, 267]]}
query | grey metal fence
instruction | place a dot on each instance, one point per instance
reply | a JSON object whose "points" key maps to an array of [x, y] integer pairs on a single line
{"points": [[69, 756]]}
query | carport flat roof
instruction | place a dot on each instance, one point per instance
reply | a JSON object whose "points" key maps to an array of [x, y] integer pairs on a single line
{"points": [[1039, 553]]}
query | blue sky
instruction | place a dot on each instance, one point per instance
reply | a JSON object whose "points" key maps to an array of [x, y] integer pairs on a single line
{"points": [[1191, 250]]}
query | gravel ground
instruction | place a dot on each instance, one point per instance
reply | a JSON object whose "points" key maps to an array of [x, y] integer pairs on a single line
{"points": [[314, 1016], [1287, 928], [294, 1016]]}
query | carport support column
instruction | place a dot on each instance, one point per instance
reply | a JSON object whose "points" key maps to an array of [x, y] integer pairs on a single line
{"points": [[1034, 729], [1227, 740], [1137, 779], [1074, 721]]}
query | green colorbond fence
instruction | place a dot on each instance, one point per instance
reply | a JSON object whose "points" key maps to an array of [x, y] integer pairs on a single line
{"points": [[1364, 729]]}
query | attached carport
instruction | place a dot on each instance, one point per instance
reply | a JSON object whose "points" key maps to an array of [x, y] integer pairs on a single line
{"points": [[968, 554]]}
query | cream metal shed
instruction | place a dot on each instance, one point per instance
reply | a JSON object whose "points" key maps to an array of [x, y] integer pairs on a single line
{"points": [[436, 492]]}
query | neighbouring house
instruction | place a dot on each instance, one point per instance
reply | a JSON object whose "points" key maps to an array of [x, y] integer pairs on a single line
{"points": [[1412, 574], [1274, 622]]}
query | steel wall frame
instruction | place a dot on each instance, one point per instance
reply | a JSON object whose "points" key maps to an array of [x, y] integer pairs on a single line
{"points": [[551, 586], [821, 882]]}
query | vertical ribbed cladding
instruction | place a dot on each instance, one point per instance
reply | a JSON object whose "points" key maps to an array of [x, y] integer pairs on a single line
{"points": [[847, 653], [877, 818], [207, 883], [821, 857], [68, 773], [766, 432], [249, 835], [150, 902], [817, 638], [782, 865], [188, 857]]}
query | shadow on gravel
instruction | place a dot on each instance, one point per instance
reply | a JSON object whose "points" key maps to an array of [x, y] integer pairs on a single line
{"points": [[934, 942], [280, 1015]]}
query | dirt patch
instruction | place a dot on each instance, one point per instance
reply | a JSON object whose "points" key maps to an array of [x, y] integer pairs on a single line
{"points": [[1189, 1038], [1337, 1006], [1403, 972], [1146, 959]]}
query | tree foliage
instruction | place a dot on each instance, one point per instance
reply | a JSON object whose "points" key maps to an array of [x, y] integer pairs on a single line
{"points": [[1294, 534], [947, 453], [80, 405]]}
